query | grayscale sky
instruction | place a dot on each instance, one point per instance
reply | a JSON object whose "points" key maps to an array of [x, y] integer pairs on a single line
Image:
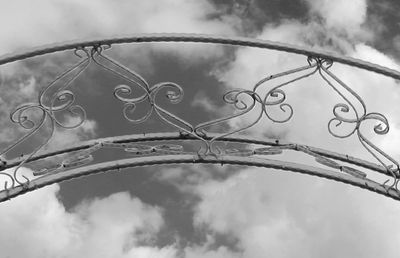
{"points": [[202, 210]]}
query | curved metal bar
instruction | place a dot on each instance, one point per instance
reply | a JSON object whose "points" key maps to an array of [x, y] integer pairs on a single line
{"points": [[191, 158], [176, 136], [199, 38]]}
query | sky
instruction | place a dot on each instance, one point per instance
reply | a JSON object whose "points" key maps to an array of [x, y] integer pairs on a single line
{"points": [[202, 210]]}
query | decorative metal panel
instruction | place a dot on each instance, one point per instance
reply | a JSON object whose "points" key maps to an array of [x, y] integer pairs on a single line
{"points": [[57, 98]]}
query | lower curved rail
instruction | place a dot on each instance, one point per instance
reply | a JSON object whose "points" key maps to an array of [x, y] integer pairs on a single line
{"points": [[192, 158], [178, 136]]}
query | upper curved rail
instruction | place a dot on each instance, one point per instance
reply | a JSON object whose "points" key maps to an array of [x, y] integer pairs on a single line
{"points": [[200, 38]]}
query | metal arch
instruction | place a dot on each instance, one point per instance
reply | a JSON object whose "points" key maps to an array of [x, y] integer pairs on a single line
{"points": [[199, 38], [194, 159], [352, 111]]}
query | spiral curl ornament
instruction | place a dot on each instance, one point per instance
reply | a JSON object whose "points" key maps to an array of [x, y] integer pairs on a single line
{"points": [[33, 116], [381, 128], [339, 118], [75, 111], [174, 94], [279, 97], [276, 96], [121, 92], [233, 97], [383, 124]]}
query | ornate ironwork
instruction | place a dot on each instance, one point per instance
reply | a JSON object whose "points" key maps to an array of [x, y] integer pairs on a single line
{"points": [[56, 98]]}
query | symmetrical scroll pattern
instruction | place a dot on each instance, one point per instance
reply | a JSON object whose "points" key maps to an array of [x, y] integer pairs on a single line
{"points": [[357, 119], [56, 98]]}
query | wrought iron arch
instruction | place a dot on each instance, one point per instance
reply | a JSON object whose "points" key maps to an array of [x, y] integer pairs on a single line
{"points": [[162, 148]]}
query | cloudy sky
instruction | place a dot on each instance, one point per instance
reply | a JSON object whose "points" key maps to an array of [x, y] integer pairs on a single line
{"points": [[202, 211]]}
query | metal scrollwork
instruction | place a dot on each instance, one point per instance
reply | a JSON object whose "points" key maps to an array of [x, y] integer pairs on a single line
{"points": [[331, 163], [233, 98], [78, 159], [263, 151], [149, 93], [276, 96], [347, 113], [266, 100], [138, 149], [34, 116]]}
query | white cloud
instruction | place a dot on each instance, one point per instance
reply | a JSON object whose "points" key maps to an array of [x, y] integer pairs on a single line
{"points": [[201, 251], [111, 227], [65, 137], [274, 215], [368, 53], [201, 100], [56, 21], [37, 225], [343, 17]]}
